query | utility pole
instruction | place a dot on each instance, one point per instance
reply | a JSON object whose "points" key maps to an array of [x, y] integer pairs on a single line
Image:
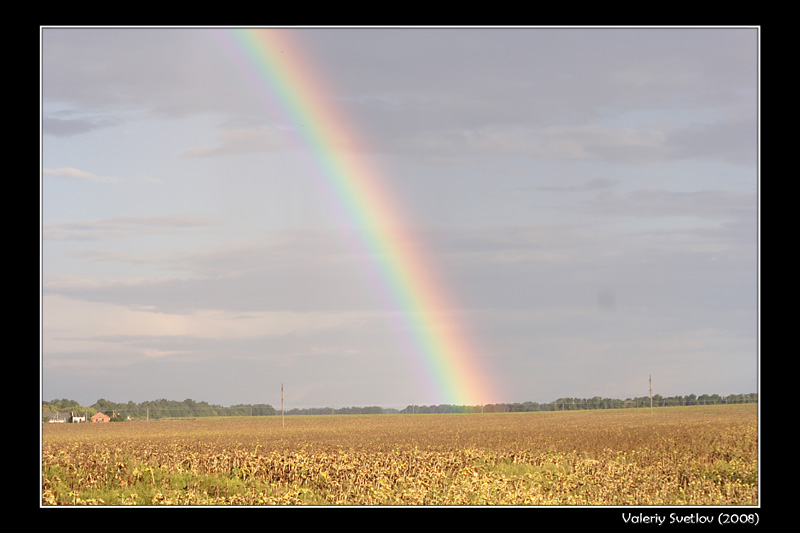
{"points": [[651, 394], [283, 412]]}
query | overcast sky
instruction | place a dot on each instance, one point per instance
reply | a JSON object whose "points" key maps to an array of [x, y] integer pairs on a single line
{"points": [[590, 197]]}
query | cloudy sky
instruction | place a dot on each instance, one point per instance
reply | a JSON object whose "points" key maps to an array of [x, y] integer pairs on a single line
{"points": [[588, 196]]}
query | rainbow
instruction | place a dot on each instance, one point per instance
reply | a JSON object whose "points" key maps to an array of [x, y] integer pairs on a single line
{"points": [[274, 62]]}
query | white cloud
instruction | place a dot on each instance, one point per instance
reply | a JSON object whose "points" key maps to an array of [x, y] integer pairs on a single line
{"points": [[126, 226], [75, 174]]}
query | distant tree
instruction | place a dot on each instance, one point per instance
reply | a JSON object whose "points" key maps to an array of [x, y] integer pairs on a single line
{"points": [[104, 406]]}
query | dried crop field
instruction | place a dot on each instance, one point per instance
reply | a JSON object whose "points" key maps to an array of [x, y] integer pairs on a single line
{"points": [[698, 455]]}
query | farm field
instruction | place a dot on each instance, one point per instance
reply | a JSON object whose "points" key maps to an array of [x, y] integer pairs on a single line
{"points": [[698, 455]]}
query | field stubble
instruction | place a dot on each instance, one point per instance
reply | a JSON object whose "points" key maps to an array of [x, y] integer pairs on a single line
{"points": [[679, 456]]}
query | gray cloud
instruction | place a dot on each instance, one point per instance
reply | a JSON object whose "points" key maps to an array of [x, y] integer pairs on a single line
{"points": [[710, 204], [735, 141], [66, 127], [237, 142], [165, 72], [418, 88], [507, 267]]}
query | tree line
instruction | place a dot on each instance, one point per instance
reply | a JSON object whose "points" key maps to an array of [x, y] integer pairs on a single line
{"points": [[162, 408], [596, 402], [157, 409]]}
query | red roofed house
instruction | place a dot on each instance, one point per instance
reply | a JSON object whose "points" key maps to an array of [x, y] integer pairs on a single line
{"points": [[100, 417]]}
